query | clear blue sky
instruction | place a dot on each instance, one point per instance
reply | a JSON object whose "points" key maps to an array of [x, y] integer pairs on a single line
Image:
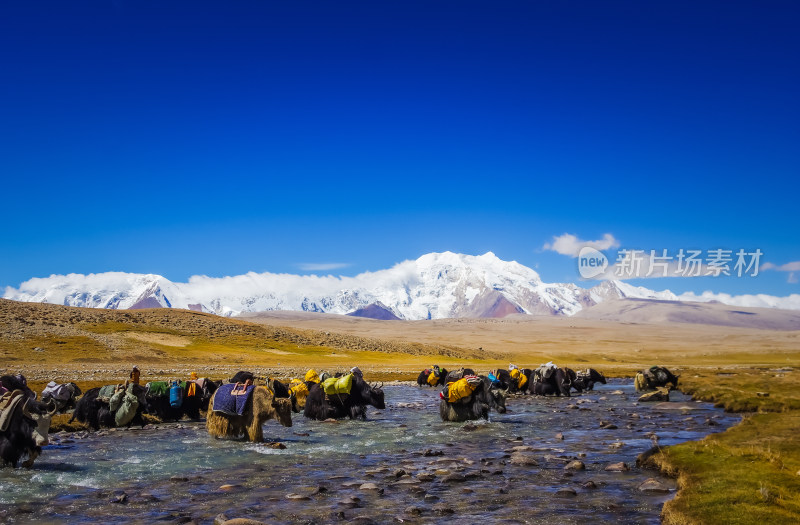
{"points": [[217, 138]]}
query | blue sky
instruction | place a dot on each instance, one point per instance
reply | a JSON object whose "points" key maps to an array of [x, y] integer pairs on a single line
{"points": [[217, 138]]}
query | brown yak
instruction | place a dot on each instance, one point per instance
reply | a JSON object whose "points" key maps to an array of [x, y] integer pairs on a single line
{"points": [[261, 406]]}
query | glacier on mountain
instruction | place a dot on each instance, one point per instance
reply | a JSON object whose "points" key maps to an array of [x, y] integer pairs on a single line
{"points": [[435, 286]]}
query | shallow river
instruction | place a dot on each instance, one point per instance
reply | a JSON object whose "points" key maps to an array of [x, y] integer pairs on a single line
{"points": [[423, 470]]}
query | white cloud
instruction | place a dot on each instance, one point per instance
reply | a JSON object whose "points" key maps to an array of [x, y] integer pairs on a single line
{"points": [[321, 267], [568, 244], [792, 278], [790, 302], [788, 267]]}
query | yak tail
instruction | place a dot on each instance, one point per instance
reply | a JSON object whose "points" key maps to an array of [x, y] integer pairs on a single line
{"points": [[218, 425], [639, 382]]}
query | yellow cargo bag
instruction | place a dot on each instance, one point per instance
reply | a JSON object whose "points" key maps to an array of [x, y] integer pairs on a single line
{"points": [[312, 376], [433, 379], [338, 385], [461, 389], [298, 388], [522, 381], [515, 373]]}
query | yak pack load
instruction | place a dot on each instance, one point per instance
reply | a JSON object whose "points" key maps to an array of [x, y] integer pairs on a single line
{"points": [[546, 370], [338, 385], [231, 398], [8, 403], [433, 376], [461, 389], [298, 388], [123, 403], [519, 377], [312, 376], [175, 395]]}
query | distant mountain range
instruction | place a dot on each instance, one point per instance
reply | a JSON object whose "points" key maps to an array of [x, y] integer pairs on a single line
{"points": [[435, 286]]}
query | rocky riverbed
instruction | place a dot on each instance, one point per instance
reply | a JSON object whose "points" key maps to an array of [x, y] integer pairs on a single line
{"points": [[564, 459]]}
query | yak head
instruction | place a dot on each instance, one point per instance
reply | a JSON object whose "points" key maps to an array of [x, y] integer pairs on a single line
{"points": [[41, 415], [375, 396], [283, 410]]}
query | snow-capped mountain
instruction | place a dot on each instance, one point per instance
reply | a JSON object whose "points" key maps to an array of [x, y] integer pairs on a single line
{"points": [[435, 286]]}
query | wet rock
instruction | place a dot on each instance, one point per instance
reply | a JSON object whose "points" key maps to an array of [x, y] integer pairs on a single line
{"points": [[351, 502], [275, 445], [617, 444], [566, 492], [652, 486], [220, 519], [430, 498], [441, 472], [560, 436], [661, 394], [372, 487], [178, 479], [242, 521], [297, 497], [522, 448], [526, 460], [575, 465], [605, 425], [399, 473], [443, 509], [425, 476], [617, 392], [454, 478], [469, 427], [430, 453], [228, 487], [414, 510], [119, 497], [617, 467], [361, 520], [589, 485]]}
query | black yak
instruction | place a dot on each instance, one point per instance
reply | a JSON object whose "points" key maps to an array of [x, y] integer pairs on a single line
{"points": [[654, 377], [475, 406], [64, 395], [9, 383], [551, 381], [586, 379], [321, 406], [438, 379], [97, 411], [23, 428]]}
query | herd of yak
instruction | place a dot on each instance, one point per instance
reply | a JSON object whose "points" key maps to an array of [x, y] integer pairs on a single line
{"points": [[25, 421]]}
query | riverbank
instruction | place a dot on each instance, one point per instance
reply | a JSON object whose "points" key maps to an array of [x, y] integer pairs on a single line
{"points": [[749, 473]]}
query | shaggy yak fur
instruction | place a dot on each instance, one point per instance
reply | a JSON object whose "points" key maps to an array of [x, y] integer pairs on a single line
{"points": [[96, 413], [320, 406], [476, 406], [27, 432], [559, 384], [261, 407]]}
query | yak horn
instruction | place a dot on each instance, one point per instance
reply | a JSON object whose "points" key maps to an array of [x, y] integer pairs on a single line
{"points": [[51, 402], [27, 413]]}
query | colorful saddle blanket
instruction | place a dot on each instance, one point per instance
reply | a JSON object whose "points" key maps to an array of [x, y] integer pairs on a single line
{"points": [[231, 398]]}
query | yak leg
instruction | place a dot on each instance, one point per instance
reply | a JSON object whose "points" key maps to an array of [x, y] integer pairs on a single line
{"points": [[32, 455], [255, 431]]}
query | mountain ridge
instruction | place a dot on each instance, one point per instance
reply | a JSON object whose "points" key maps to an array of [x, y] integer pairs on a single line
{"points": [[434, 286]]}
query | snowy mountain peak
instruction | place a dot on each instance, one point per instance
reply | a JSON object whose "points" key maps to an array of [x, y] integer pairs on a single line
{"points": [[434, 286]]}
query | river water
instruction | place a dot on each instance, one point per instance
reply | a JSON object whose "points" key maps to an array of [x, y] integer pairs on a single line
{"points": [[403, 465]]}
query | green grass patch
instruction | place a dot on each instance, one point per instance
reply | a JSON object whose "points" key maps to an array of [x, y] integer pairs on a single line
{"points": [[751, 472]]}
